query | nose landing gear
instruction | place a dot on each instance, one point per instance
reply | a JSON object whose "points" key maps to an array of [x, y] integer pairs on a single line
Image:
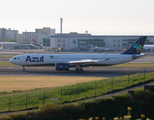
{"points": [[23, 68]]}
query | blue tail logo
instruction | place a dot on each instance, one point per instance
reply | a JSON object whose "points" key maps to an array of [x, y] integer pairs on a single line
{"points": [[138, 47]]}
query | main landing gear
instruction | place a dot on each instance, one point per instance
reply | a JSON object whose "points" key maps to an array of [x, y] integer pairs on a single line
{"points": [[78, 68], [23, 68]]}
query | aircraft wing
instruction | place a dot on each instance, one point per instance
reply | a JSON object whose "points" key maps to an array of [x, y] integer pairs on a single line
{"points": [[88, 61]]}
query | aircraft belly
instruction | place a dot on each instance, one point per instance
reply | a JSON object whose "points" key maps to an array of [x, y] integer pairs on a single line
{"points": [[37, 64]]}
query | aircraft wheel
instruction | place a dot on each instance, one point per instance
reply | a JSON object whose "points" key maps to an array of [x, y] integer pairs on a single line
{"points": [[23, 68], [81, 70], [77, 70]]}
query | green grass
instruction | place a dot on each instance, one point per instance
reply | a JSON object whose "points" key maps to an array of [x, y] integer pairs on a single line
{"points": [[7, 56], [30, 83], [140, 102], [149, 55], [134, 65], [67, 94], [7, 64], [131, 65]]}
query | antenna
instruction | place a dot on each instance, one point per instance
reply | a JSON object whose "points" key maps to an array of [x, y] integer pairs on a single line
{"points": [[61, 20]]}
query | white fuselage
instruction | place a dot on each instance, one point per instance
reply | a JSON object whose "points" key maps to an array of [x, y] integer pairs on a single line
{"points": [[148, 47], [51, 59]]}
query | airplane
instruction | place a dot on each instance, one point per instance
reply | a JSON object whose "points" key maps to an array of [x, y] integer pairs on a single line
{"points": [[35, 43], [148, 47], [1, 48], [99, 49], [64, 61]]}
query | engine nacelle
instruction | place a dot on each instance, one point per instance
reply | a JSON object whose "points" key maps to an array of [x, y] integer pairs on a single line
{"points": [[62, 66]]}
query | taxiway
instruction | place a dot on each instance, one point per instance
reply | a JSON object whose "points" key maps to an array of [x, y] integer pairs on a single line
{"points": [[50, 71]]}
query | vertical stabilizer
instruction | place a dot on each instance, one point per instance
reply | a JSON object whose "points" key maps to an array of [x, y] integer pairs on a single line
{"points": [[36, 43], [2, 46], [137, 47]]}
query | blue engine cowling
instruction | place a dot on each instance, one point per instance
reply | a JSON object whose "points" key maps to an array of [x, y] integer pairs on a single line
{"points": [[62, 66]]}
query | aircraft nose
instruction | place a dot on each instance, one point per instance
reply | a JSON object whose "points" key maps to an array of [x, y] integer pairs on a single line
{"points": [[10, 60]]}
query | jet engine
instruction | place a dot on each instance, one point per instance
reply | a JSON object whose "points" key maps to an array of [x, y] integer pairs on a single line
{"points": [[62, 66]]}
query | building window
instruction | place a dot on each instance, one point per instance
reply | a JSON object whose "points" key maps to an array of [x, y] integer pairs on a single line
{"points": [[63, 41], [114, 45], [46, 42], [118, 41], [59, 45], [74, 41], [59, 40], [63, 45], [118, 45], [114, 41]]}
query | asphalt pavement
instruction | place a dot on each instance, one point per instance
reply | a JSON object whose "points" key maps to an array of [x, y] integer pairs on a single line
{"points": [[88, 72]]}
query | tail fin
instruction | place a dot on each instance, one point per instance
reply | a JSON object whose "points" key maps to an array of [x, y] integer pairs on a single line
{"points": [[36, 43], [34, 40], [137, 47], [3, 46]]}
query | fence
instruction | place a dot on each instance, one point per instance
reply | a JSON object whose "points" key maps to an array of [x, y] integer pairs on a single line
{"points": [[65, 94]]}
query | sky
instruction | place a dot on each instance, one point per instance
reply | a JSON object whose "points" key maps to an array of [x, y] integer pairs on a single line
{"points": [[98, 17]]}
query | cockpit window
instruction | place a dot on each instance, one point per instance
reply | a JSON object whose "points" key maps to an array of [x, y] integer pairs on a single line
{"points": [[15, 58]]}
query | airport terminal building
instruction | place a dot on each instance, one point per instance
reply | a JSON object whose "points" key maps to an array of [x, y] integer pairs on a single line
{"points": [[83, 42]]}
